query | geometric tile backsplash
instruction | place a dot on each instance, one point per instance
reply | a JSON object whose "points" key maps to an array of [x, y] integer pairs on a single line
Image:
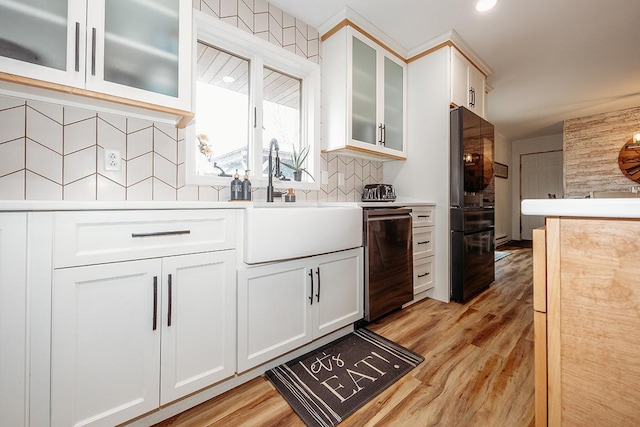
{"points": [[55, 152]]}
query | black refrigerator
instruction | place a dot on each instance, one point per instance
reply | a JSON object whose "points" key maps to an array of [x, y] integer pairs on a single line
{"points": [[472, 197]]}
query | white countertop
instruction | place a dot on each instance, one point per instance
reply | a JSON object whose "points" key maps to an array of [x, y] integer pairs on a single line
{"points": [[68, 205], [601, 208]]}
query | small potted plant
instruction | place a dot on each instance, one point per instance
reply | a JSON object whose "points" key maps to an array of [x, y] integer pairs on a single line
{"points": [[297, 163]]}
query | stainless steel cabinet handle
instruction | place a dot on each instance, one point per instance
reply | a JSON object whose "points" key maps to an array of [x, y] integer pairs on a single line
{"points": [[311, 294], [77, 47], [161, 233], [93, 51], [423, 275], [155, 302], [380, 137], [169, 309], [318, 294], [384, 134]]}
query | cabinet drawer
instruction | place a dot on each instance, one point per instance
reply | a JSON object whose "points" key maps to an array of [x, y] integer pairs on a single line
{"points": [[83, 238], [422, 241], [423, 215], [422, 274]]}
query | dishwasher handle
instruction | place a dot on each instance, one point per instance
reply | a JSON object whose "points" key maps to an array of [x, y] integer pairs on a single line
{"points": [[388, 217], [373, 214]]}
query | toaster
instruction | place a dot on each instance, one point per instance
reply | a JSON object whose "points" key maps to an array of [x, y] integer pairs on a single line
{"points": [[378, 193]]}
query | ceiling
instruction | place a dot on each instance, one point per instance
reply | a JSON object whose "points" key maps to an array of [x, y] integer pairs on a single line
{"points": [[551, 60]]}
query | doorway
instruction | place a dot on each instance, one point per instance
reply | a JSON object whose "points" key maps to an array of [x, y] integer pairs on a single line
{"points": [[540, 175]]}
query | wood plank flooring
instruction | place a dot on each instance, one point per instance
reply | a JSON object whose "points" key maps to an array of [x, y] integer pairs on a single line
{"points": [[478, 368]]}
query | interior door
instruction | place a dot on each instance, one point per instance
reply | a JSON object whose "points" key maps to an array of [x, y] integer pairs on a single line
{"points": [[540, 175]]}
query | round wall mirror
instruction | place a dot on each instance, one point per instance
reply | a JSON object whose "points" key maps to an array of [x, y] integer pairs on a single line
{"points": [[629, 160]]}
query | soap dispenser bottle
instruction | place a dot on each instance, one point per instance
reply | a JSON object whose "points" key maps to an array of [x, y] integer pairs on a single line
{"points": [[246, 186], [236, 187], [290, 196]]}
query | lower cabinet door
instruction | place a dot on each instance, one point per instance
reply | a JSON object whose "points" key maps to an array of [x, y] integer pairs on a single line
{"points": [[338, 291], [198, 322], [274, 313], [286, 305], [105, 343], [13, 319]]}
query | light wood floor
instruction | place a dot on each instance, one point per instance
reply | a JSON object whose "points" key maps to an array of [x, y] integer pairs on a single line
{"points": [[478, 368]]}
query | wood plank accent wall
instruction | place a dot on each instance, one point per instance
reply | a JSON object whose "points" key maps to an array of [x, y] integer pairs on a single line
{"points": [[591, 148]]}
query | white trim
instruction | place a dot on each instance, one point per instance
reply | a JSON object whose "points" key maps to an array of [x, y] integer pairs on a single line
{"points": [[356, 18], [459, 43], [260, 53]]}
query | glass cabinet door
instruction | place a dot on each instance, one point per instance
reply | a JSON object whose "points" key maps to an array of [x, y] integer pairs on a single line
{"points": [[141, 44], [34, 31], [393, 104], [43, 39], [364, 123]]}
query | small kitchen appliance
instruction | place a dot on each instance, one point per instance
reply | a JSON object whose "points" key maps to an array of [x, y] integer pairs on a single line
{"points": [[378, 193]]}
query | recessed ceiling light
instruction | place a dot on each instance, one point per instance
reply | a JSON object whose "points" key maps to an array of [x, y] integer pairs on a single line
{"points": [[484, 5], [228, 79]]}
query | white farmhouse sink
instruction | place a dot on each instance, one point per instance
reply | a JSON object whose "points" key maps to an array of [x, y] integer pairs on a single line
{"points": [[280, 233]]}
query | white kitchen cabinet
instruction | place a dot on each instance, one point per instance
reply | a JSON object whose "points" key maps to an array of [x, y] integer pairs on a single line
{"points": [[134, 49], [129, 336], [105, 359], [467, 84], [364, 91], [423, 221], [285, 305], [13, 320], [199, 322]]}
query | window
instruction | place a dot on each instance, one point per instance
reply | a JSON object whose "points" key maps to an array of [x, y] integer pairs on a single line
{"points": [[222, 108], [249, 93]]}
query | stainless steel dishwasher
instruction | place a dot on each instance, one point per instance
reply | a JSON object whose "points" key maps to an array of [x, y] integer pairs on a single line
{"points": [[388, 261]]}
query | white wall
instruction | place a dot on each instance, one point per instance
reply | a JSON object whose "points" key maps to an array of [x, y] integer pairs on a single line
{"points": [[518, 148], [425, 174], [502, 155]]}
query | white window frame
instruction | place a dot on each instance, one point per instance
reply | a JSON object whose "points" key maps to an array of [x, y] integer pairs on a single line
{"points": [[260, 53]]}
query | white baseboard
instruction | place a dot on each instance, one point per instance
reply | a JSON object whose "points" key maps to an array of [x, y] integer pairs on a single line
{"points": [[189, 402]]}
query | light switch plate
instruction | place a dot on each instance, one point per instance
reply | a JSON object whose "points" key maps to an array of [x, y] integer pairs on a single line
{"points": [[324, 177], [340, 179]]}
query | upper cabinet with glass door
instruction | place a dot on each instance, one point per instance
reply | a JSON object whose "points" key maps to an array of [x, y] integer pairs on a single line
{"points": [[364, 98], [138, 50]]}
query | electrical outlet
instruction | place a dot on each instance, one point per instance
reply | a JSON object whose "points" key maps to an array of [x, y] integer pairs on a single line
{"points": [[112, 160], [324, 177]]}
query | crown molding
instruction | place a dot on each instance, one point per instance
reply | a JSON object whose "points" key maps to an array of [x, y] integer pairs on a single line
{"points": [[451, 38], [349, 15]]}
